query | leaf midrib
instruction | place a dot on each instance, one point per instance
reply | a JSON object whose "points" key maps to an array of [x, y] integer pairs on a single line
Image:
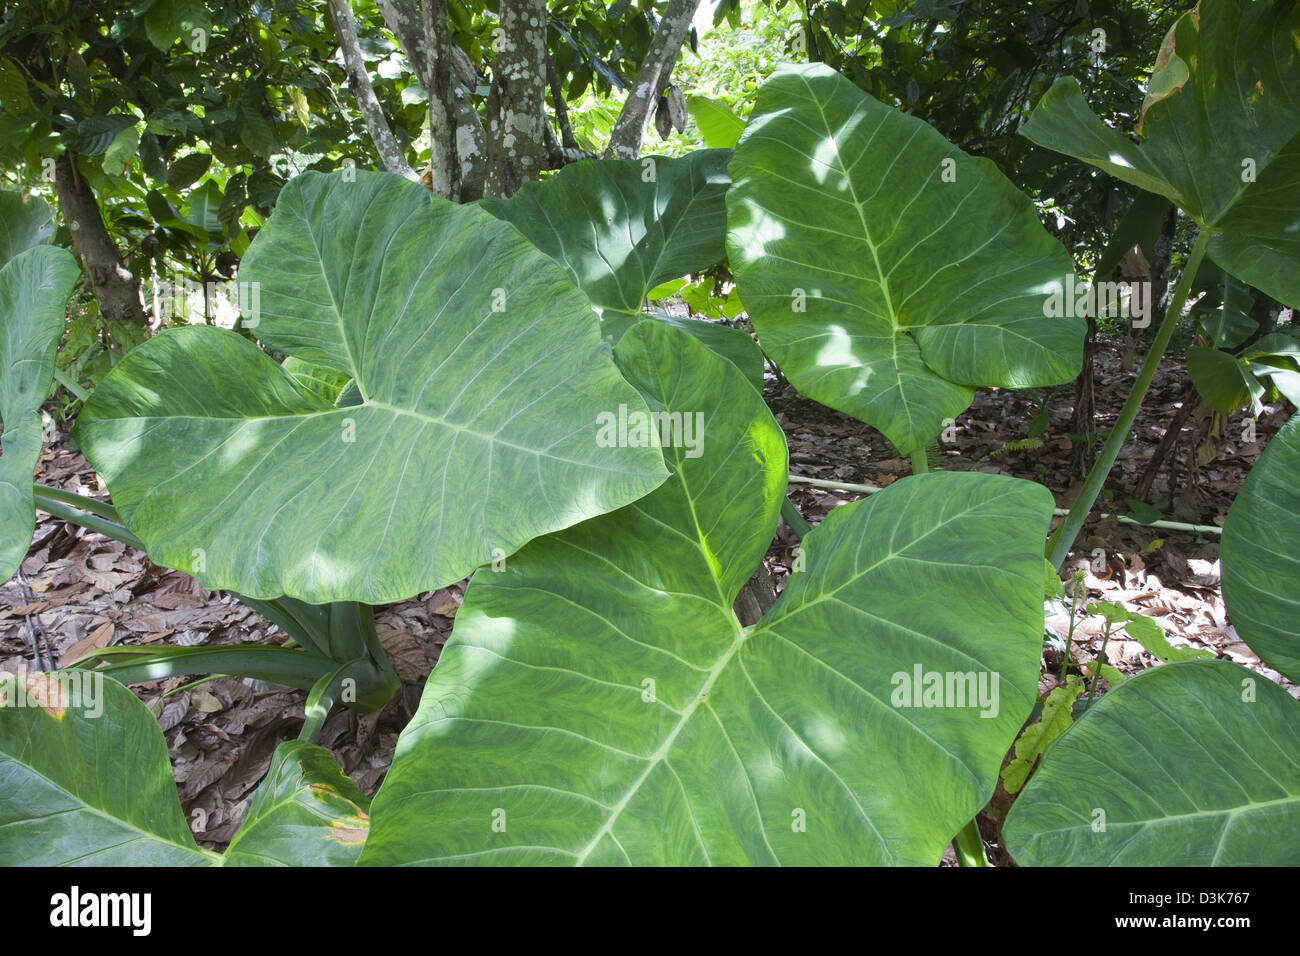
{"points": [[494, 437], [660, 756]]}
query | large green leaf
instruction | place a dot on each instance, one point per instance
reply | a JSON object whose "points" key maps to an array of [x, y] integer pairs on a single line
{"points": [[599, 702], [482, 374], [1221, 379], [1220, 135], [887, 272], [34, 288], [204, 205], [23, 223], [1189, 764], [734, 345], [622, 227], [85, 779], [1222, 307], [1261, 554], [306, 812]]}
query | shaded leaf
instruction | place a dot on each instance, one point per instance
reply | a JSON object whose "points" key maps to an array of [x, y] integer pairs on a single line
{"points": [[1261, 554], [1231, 75], [24, 222], [622, 227], [306, 812], [34, 289]]}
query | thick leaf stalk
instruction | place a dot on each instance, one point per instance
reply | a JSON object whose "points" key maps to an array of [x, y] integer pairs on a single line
{"points": [[969, 846], [96, 516]]}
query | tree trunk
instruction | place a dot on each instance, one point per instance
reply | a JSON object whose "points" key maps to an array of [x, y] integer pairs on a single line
{"points": [[1084, 420], [116, 289], [656, 68], [390, 154], [407, 24], [443, 174], [516, 109], [467, 137]]}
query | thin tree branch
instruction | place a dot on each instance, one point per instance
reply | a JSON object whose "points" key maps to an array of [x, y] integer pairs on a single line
{"points": [[567, 139], [390, 154], [566, 150], [625, 140]]}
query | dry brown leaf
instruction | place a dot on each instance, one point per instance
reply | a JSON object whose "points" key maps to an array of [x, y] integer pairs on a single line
{"points": [[106, 580], [404, 652], [100, 637]]}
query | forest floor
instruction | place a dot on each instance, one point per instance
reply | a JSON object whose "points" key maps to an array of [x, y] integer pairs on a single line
{"points": [[79, 591]]}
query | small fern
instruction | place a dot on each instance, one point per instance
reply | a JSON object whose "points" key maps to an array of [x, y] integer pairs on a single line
{"points": [[1014, 447]]}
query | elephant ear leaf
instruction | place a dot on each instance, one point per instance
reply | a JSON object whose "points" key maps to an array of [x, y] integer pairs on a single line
{"points": [[599, 702], [1261, 554], [87, 781], [622, 227], [888, 273], [1189, 764], [23, 223], [306, 812], [479, 374], [1220, 135], [34, 289]]}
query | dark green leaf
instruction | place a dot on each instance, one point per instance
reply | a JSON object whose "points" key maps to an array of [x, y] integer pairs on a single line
{"points": [[1261, 554]]}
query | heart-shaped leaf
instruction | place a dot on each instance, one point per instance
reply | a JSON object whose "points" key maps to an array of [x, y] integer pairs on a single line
{"points": [[306, 812], [887, 272], [482, 375], [600, 703], [1220, 135], [1261, 554], [1188, 764], [85, 779], [622, 227], [34, 288]]}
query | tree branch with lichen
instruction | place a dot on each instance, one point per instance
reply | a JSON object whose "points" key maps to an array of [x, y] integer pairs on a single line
{"points": [[390, 154]]}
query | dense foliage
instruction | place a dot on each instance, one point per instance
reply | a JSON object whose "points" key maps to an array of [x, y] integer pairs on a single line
{"points": [[420, 389]]}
